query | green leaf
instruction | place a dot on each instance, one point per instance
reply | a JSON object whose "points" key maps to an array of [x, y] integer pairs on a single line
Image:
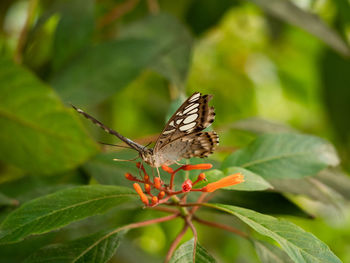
{"points": [[252, 181], [38, 134], [269, 253], [260, 126], [73, 31], [184, 254], [165, 30], [97, 248], [284, 156], [290, 13], [301, 246], [159, 42], [61, 208]]}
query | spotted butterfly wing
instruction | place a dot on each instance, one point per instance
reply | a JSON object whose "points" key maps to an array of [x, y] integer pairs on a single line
{"points": [[182, 136]]}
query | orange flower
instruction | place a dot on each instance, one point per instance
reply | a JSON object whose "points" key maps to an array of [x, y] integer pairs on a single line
{"points": [[167, 169], [224, 182], [139, 191], [201, 166], [157, 182]]}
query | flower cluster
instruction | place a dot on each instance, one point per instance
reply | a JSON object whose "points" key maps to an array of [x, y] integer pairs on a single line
{"points": [[167, 191]]}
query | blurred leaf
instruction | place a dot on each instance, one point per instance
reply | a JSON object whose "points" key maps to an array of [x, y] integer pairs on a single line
{"points": [[165, 31], [102, 70], [38, 134], [73, 31], [106, 171], [307, 186], [260, 126], [97, 248], [269, 253], [252, 181], [7, 201], [284, 156], [158, 42], [61, 208], [337, 180], [184, 254], [262, 202], [335, 76], [301, 246], [203, 14], [287, 11]]}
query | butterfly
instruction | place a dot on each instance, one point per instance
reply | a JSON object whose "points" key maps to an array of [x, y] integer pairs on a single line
{"points": [[182, 136]]}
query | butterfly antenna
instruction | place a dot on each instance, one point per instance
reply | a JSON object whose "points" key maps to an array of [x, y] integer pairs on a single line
{"points": [[121, 146]]}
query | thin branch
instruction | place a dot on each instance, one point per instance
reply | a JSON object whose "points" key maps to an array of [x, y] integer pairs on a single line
{"points": [[153, 6], [165, 209], [200, 200], [147, 222], [24, 32], [118, 11], [176, 242], [195, 236], [221, 226]]}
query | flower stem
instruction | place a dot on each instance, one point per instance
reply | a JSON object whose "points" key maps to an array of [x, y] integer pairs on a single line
{"points": [[176, 242]]}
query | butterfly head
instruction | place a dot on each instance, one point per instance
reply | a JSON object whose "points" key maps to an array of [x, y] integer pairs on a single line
{"points": [[147, 156]]}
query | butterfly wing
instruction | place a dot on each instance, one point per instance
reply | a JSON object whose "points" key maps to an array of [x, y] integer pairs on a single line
{"points": [[129, 142], [199, 144], [193, 116]]}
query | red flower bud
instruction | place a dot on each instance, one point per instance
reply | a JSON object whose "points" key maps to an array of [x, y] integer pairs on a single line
{"points": [[129, 177], [161, 195], [154, 200], [147, 188], [187, 186]]}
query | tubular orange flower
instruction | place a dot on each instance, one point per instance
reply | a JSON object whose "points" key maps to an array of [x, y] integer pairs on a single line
{"points": [[200, 177], [139, 191], [129, 176], [154, 200], [147, 188], [167, 169], [201, 166], [157, 183], [161, 195], [224, 182]]}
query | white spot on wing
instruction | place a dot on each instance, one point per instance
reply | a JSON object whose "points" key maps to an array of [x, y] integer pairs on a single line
{"points": [[193, 111], [171, 123], [187, 126], [190, 118], [167, 132], [179, 121], [195, 105], [195, 97]]}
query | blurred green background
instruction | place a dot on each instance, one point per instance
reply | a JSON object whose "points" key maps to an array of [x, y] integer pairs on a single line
{"points": [[271, 65]]}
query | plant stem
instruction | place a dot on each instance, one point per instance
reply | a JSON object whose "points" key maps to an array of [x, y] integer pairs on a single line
{"points": [[222, 226], [147, 222], [176, 242], [195, 236], [165, 209]]}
